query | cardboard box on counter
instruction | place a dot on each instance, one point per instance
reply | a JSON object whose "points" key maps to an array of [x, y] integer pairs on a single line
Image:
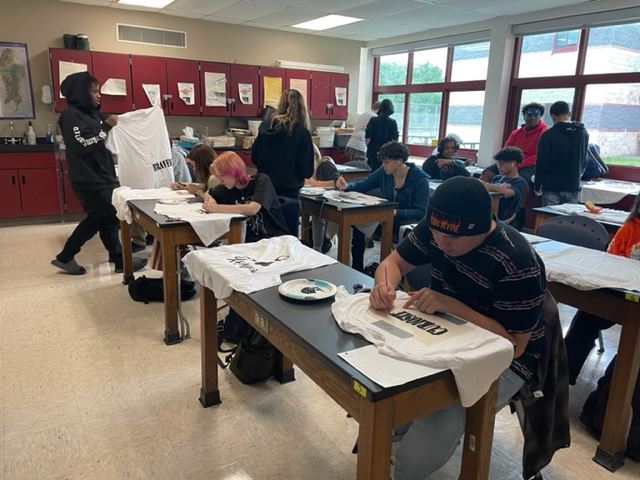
{"points": [[316, 140], [221, 141], [245, 141]]}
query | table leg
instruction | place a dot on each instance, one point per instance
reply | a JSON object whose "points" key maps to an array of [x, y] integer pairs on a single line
{"points": [[386, 239], [127, 254], [285, 372], [209, 392], [495, 203], [478, 436], [170, 288], [305, 227], [235, 233], [539, 219], [344, 243], [374, 440], [610, 452]]}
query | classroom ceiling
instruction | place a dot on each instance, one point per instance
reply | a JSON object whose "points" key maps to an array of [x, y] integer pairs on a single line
{"points": [[381, 18]]}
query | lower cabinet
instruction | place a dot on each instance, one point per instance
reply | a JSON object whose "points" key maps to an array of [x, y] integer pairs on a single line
{"points": [[29, 185]]}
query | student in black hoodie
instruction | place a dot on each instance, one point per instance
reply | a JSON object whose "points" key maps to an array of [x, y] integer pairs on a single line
{"points": [[91, 172], [561, 158], [284, 150]]}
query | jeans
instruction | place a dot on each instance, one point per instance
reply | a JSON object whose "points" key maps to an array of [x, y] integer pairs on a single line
{"points": [[558, 198], [428, 442], [580, 340], [101, 218]]}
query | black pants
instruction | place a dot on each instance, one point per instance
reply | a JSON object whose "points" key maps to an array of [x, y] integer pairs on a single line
{"points": [[580, 340], [101, 218], [358, 241]]}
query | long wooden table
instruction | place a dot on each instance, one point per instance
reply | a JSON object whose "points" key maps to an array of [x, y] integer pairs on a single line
{"points": [[170, 234], [308, 336], [623, 308], [542, 213], [345, 215]]}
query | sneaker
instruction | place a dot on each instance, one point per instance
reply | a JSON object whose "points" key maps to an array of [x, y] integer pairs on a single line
{"points": [[135, 248], [370, 244], [326, 245], [138, 264], [71, 267]]}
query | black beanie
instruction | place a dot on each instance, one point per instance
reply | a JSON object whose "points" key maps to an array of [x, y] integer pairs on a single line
{"points": [[460, 206]]}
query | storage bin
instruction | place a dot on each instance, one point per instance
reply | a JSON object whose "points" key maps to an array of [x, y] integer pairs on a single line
{"points": [[327, 135], [341, 140]]}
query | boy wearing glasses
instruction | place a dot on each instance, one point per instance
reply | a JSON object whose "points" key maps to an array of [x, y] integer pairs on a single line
{"points": [[526, 137], [508, 181]]}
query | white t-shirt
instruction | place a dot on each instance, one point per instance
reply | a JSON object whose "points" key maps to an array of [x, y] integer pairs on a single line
{"points": [[250, 267], [141, 142], [357, 137], [475, 356]]}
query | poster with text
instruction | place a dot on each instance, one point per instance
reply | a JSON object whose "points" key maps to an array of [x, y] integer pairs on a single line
{"points": [[215, 85], [300, 84], [341, 96], [187, 93], [67, 68], [246, 93]]}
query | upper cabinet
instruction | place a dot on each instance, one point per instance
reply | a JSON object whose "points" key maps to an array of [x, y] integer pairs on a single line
{"points": [[63, 63], [244, 94], [215, 89], [329, 95], [272, 84], [114, 75], [299, 80], [183, 84]]}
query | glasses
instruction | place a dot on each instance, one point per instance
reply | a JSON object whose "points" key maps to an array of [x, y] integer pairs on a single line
{"points": [[535, 112], [502, 162]]}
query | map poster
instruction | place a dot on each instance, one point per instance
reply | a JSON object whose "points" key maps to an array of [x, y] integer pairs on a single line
{"points": [[16, 95]]}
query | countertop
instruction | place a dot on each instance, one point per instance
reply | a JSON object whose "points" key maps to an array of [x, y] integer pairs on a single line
{"points": [[39, 147]]}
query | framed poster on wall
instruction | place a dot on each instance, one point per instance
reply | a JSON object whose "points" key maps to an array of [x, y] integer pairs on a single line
{"points": [[16, 93]]}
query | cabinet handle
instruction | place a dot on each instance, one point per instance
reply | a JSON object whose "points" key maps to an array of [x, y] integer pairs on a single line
{"points": [[13, 179], [23, 180]]}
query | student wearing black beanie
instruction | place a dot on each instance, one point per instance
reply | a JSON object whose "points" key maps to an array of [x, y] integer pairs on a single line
{"points": [[482, 271]]}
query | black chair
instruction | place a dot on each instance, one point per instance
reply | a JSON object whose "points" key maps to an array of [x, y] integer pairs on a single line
{"points": [[576, 230], [358, 164], [291, 211]]}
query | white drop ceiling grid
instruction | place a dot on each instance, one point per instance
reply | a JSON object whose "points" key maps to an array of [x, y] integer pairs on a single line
{"points": [[381, 18]]}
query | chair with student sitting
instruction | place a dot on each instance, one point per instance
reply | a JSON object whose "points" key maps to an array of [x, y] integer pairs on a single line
{"points": [[291, 212], [580, 231]]}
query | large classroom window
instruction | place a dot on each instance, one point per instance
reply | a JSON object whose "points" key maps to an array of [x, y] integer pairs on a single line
{"points": [[597, 71], [435, 92]]}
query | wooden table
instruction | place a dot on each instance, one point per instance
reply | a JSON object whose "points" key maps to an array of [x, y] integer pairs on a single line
{"points": [[170, 234], [542, 213], [345, 215], [623, 308], [308, 336]]}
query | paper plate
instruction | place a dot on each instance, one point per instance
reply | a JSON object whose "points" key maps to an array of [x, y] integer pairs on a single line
{"points": [[307, 289], [312, 191], [171, 201]]}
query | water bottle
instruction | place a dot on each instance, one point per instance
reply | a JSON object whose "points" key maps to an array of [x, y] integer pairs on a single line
{"points": [[49, 137]]}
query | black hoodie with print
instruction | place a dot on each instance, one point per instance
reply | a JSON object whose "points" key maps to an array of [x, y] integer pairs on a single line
{"points": [[561, 157], [84, 131]]}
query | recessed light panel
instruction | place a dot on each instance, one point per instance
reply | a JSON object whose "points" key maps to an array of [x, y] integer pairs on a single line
{"points": [[327, 22]]}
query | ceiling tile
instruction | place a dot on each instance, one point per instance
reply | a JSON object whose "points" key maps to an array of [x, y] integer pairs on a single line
{"points": [[288, 16], [196, 16], [248, 10], [527, 6], [474, 5], [381, 8], [214, 18], [334, 6], [205, 7], [436, 17]]}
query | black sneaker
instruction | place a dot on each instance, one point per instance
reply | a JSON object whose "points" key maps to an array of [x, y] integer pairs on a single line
{"points": [[138, 264], [135, 248]]}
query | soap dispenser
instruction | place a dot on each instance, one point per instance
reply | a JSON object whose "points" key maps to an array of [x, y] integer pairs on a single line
{"points": [[31, 135]]}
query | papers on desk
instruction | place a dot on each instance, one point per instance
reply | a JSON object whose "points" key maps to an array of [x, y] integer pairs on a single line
{"points": [[250, 267], [354, 198], [475, 356], [607, 214], [208, 226], [346, 168], [587, 269], [607, 191], [122, 195], [534, 239]]}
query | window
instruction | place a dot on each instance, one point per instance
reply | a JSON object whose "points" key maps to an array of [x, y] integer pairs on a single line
{"points": [[613, 49], [432, 90], [540, 57], [546, 97], [566, 41]]}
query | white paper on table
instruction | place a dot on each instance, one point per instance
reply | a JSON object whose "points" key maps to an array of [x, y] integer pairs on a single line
{"points": [[299, 84], [187, 93], [215, 85], [122, 195], [67, 68], [341, 96], [115, 87], [606, 214], [153, 93], [384, 370], [607, 191], [533, 239], [245, 91], [354, 198]]}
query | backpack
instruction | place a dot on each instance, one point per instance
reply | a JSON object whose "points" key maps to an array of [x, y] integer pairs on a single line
{"points": [[595, 407], [595, 166], [146, 290], [254, 359]]}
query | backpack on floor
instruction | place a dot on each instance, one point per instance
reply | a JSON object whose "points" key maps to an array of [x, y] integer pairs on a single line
{"points": [[254, 359], [595, 167], [146, 290], [595, 407]]}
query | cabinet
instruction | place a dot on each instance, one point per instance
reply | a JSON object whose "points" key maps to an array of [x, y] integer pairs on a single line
{"points": [[241, 90], [113, 66], [29, 185], [272, 84], [329, 95], [61, 57], [244, 91]]}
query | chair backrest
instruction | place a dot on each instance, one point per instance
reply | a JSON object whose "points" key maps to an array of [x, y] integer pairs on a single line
{"points": [[291, 212], [358, 164], [575, 230]]}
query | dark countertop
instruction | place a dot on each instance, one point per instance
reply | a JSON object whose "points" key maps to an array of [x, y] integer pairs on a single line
{"points": [[39, 147]]}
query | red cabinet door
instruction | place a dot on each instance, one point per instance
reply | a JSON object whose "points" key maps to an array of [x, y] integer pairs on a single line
{"points": [[244, 91], [183, 71], [320, 95], [71, 202], [299, 80], [10, 206], [272, 84], [40, 192], [58, 55], [148, 71], [215, 77], [339, 95], [113, 66]]}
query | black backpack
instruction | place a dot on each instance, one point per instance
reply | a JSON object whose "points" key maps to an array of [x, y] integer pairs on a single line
{"points": [[146, 290], [595, 167], [254, 359]]}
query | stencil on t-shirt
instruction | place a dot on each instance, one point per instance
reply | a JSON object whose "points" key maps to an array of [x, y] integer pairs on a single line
{"points": [[412, 323], [251, 264]]}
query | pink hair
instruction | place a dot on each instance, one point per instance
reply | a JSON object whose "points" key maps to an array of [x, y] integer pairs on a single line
{"points": [[230, 163]]}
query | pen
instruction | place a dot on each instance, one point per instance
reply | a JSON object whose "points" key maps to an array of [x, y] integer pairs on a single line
{"points": [[386, 281]]}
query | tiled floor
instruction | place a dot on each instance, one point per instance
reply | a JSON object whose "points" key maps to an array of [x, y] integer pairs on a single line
{"points": [[90, 391]]}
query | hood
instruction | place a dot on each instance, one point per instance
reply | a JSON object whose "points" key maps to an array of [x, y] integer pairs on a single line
{"points": [[570, 129], [76, 88]]}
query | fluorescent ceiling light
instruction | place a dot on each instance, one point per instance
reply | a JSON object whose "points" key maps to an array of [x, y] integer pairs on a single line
{"points": [[147, 3], [326, 22]]}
